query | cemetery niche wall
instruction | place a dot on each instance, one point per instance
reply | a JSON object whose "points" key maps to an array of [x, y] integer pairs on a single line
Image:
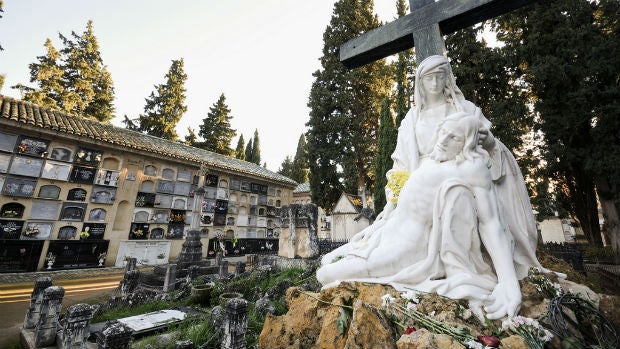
{"points": [[79, 184]]}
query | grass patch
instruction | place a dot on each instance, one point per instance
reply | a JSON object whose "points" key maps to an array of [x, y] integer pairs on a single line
{"points": [[126, 311]]}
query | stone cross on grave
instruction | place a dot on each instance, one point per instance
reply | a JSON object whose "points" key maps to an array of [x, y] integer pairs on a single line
{"points": [[423, 27]]}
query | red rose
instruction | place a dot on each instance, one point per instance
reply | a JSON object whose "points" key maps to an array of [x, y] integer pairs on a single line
{"points": [[410, 330], [489, 341]]}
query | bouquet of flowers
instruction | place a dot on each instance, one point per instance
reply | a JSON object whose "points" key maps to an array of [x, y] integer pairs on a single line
{"points": [[396, 182], [535, 335], [50, 257]]}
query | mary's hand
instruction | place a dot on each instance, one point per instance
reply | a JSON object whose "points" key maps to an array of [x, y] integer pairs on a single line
{"points": [[504, 301]]}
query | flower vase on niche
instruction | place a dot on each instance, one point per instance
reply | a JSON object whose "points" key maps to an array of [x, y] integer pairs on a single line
{"points": [[85, 233], [50, 258], [102, 258]]}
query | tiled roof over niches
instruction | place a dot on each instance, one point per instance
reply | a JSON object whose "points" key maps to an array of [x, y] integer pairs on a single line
{"points": [[31, 114]]}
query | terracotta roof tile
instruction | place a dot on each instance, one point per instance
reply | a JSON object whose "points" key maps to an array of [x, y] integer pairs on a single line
{"points": [[29, 113]]}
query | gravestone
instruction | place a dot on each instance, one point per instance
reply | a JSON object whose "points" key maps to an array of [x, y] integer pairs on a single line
{"points": [[235, 324], [299, 236], [115, 335], [36, 298], [171, 278], [47, 326], [75, 329]]}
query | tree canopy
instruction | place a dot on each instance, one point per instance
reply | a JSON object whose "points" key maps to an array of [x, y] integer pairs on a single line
{"points": [[215, 129]]}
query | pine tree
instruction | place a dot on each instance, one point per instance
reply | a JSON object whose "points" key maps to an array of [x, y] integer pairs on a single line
{"points": [[344, 108], [48, 75], [165, 106], [299, 170], [239, 150], [286, 169], [131, 124], [387, 144], [88, 84], [216, 130], [248, 151], [256, 148], [191, 138]]}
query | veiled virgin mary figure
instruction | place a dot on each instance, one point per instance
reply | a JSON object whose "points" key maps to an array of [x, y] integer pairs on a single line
{"points": [[437, 96]]}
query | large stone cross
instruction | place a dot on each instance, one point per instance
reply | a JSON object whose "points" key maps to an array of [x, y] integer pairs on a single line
{"points": [[423, 27]]}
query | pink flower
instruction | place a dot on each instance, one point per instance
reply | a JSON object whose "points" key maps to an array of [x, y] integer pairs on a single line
{"points": [[489, 341]]}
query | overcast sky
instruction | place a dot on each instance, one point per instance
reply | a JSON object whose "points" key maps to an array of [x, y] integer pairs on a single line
{"points": [[260, 53]]}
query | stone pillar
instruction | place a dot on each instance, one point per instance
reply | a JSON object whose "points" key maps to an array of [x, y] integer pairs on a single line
{"points": [[192, 272], [171, 278], [131, 264], [75, 330], [223, 272], [218, 258], [115, 335], [239, 268], [235, 324], [129, 282], [188, 344], [36, 297], [45, 331]]}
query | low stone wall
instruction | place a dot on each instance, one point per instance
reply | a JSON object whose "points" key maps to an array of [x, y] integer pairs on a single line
{"points": [[18, 278], [284, 262]]}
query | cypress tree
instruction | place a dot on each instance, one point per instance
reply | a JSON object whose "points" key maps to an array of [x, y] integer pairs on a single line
{"points": [[216, 130], [387, 144], [191, 138], [239, 150], [248, 151], [344, 109], [166, 105], [286, 169], [299, 170], [256, 148]]}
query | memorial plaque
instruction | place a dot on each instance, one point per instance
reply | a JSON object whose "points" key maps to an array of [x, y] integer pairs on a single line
{"points": [[84, 175], [157, 233], [97, 214], [20, 255], [233, 208], [221, 206], [141, 215], [67, 232], [61, 154], [12, 210], [235, 184], [147, 187], [150, 170], [262, 199], [76, 194], [222, 193], [210, 193], [179, 203], [31, 146], [19, 187], [182, 188], [74, 254], [161, 216], [175, 231], [184, 175], [37, 230], [5, 162], [165, 186], [107, 177], [7, 141], [208, 205], [163, 201], [219, 219], [145, 251], [44, 209], [10, 229], [95, 230], [262, 189], [56, 170], [72, 211], [49, 192], [177, 216], [167, 173], [103, 195], [145, 199], [138, 231], [245, 186], [26, 166], [255, 188], [271, 191], [206, 219], [211, 180], [87, 156]]}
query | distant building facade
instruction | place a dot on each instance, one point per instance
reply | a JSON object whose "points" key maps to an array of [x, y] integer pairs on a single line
{"points": [[81, 193]]}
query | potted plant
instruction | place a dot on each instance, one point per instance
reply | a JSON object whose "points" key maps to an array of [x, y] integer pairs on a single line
{"points": [[201, 292]]}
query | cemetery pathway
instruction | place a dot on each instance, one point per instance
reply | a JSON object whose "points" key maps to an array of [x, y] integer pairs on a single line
{"points": [[14, 300]]}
